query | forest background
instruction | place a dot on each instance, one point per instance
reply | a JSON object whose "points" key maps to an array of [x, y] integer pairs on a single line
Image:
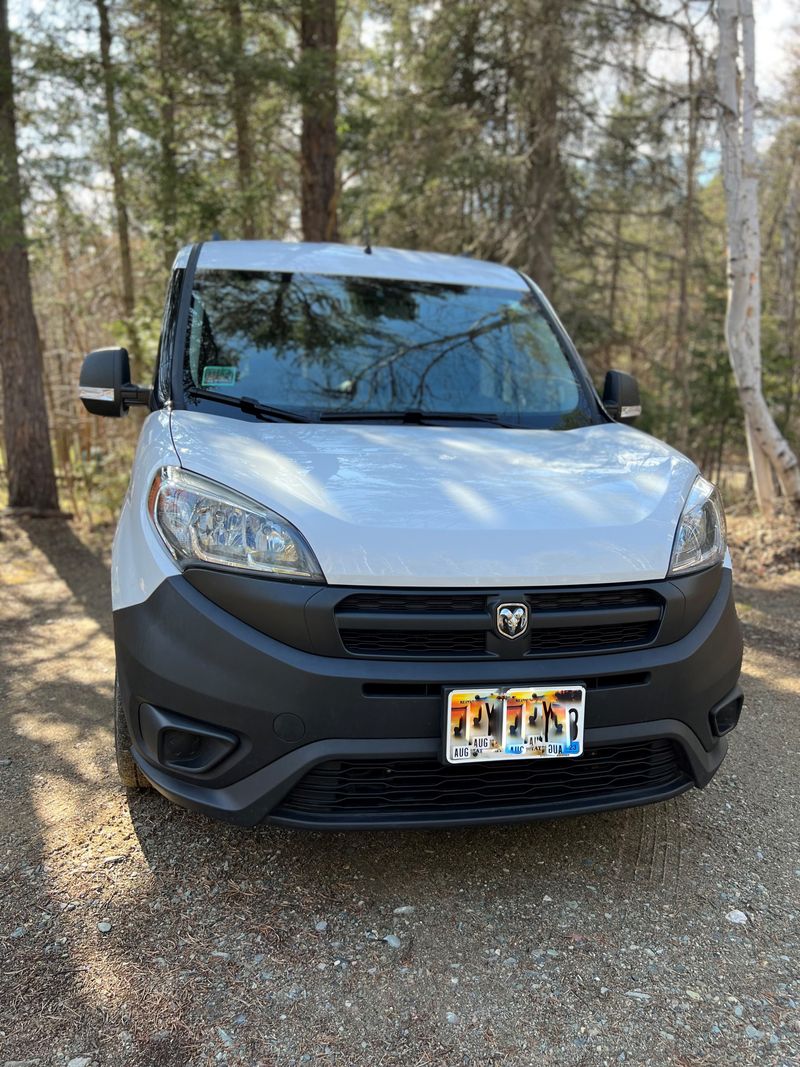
{"points": [[575, 139]]}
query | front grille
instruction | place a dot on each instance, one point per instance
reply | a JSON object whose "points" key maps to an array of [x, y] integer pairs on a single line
{"points": [[404, 624], [394, 789]]}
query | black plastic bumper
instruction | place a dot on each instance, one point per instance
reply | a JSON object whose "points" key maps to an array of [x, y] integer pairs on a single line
{"points": [[287, 711]]}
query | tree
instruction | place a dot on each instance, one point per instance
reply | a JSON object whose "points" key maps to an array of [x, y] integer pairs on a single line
{"points": [[682, 356], [168, 140], [117, 173], [543, 70], [29, 461], [318, 149], [788, 271], [240, 103], [768, 449]]}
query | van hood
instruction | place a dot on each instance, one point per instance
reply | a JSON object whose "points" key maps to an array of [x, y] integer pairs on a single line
{"points": [[467, 506]]}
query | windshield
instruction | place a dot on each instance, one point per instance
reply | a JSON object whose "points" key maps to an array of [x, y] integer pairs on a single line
{"points": [[337, 347]]}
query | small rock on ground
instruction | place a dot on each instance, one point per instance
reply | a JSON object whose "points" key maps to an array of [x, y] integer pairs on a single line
{"points": [[736, 916]]}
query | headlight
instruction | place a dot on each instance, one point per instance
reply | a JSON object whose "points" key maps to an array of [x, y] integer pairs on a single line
{"points": [[204, 522], [700, 541]]}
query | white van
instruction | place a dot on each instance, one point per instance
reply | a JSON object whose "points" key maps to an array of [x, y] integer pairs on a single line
{"points": [[387, 558]]}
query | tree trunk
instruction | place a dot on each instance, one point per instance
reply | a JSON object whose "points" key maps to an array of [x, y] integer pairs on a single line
{"points": [[168, 191], [787, 284], [29, 460], [319, 189], [117, 176], [539, 75], [681, 364], [769, 451], [613, 288], [240, 100]]}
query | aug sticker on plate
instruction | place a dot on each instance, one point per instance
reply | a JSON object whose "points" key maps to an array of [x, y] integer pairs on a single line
{"points": [[539, 721]]}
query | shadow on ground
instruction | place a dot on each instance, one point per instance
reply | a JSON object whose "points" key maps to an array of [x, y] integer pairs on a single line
{"points": [[84, 572]]}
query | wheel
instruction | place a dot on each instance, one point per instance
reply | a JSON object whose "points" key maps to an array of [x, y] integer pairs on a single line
{"points": [[129, 774]]}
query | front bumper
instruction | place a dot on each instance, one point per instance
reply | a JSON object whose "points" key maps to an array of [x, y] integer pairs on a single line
{"points": [[318, 740]]}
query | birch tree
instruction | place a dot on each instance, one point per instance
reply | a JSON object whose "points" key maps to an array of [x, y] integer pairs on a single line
{"points": [[770, 455]]}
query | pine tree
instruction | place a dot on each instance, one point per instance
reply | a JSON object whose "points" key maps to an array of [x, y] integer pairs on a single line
{"points": [[318, 142], [29, 461]]}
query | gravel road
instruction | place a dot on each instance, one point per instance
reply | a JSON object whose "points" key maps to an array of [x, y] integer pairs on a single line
{"points": [[135, 934]]}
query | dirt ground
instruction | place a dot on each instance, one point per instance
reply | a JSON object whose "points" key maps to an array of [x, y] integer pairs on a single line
{"points": [[133, 933]]}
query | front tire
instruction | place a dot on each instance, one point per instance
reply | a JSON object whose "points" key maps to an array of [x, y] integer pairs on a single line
{"points": [[129, 773]]}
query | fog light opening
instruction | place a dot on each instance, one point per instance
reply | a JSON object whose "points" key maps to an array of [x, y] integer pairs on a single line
{"points": [[183, 744], [192, 750], [179, 747], [725, 718]]}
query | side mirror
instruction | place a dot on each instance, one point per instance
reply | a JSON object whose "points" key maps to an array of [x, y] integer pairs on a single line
{"points": [[105, 386], [621, 396]]}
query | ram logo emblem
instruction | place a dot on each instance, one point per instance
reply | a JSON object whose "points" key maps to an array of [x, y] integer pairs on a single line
{"points": [[512, 619]]}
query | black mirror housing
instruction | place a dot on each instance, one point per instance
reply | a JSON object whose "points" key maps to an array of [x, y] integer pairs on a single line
{"points": [[621, 396], [105, 386]]}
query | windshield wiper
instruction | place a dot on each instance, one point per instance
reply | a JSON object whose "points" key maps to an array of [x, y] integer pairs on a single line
{"points": [[413, 416], [250, 406]]}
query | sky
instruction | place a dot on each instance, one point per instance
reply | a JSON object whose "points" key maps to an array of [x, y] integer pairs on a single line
{"points": [[775, 20], [777, 27]]}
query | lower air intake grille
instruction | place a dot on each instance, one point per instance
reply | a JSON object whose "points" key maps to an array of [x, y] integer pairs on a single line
{"points": [[396, 789]]}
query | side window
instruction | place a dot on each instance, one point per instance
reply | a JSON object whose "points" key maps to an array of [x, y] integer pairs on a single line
{"points": [[166, 343]]}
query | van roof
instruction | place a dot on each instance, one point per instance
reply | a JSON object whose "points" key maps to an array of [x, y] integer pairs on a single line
{"points": [[352, 260]]}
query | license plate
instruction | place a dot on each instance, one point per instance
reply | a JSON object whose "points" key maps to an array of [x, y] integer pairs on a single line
{"points": [[541, 721]]}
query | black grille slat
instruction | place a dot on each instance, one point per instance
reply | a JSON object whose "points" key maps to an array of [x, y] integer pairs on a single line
{"points": [[457, 603], [414, 603], [423, 624], [415, 642], [394, 788], [405, 620], [591, 637], [593, 599], [549, 620]]}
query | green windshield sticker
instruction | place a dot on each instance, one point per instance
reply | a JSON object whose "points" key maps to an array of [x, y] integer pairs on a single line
{"points": [[218, 375]]}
